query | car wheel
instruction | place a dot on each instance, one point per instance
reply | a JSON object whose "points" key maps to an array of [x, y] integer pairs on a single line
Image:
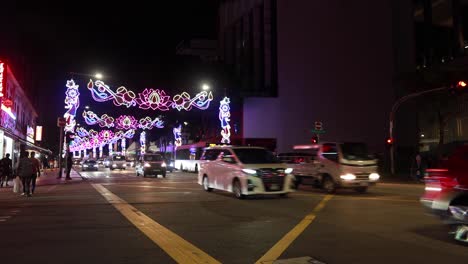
{"points": [[297, 182], [328, 185], [144, 175], [362, 189], [164, 174], [237, 189], [206, 185], [181, 168], [138, 174], [196, 168], [283, 195]]}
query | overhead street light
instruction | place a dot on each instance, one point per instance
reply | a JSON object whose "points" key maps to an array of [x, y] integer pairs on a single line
{"points": [[205, 87], [98, 75]]}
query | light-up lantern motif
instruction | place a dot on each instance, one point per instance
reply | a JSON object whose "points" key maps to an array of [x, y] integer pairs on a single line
{"points": [[225, 118], [143, 142], [126, 122], [72, 102], [154, 100], [177, 135]]}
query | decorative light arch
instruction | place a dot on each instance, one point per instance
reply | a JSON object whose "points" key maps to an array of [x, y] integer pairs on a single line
{"points": [[225, 118]]}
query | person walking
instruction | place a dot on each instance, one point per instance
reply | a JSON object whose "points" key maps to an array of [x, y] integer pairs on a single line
{"points": [[36, 170], [5, 170], [25, 172], [69, 166]]}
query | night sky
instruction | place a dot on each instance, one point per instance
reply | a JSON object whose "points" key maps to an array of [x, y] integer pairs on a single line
{"points": [[134, 44]]}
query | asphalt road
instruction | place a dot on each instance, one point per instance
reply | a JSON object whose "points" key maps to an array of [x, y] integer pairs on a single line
{"points": [[116, 217]]}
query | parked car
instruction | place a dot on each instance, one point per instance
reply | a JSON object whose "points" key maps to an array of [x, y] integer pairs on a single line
{"points": [[334, 165], [446, 188], [89, 165], [151, 164], [244, 171]]}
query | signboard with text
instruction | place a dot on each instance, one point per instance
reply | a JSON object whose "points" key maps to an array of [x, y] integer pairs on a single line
{"points": [[3, 70], [30, 134]]}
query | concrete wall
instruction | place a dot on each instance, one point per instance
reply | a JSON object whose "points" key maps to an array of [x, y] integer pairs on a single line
{"points": [[334, 66]]}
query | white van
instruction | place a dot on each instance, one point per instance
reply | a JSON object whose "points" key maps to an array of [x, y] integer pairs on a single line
{"points": [[117, 162], [337, 165], [244, 171]]}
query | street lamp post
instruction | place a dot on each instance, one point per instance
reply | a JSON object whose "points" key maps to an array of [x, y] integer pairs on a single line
{"points": [[395, 107]]}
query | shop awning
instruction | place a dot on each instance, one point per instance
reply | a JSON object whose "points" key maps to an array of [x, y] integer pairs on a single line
{"points": [[28, 144]]}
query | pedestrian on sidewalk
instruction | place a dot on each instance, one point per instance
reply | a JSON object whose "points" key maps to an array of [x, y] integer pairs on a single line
{"points": [[25, 172], [36, 170], [5, 170], [69, 166]]}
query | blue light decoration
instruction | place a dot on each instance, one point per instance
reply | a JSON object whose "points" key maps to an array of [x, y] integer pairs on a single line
{"points": [[225, 118], [177, 135], [72, 102], [143, 142]]}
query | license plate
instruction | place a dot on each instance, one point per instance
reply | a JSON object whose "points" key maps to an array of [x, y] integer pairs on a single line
{"points": [[274, 187]]}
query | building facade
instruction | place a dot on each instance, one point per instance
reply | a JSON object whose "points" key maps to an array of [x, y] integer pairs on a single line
{"points": [[18, 116], [299, 62]]}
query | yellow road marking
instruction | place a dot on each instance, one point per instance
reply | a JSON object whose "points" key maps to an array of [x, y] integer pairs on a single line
{"points": [[175, 246], [278, 249]]}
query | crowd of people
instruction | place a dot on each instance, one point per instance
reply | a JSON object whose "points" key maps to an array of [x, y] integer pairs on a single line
{"points": [[24, 176]]}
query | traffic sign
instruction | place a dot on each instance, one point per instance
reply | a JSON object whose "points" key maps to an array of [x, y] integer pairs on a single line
{"points": [[318, 125], [315, 131], [61, 122]]}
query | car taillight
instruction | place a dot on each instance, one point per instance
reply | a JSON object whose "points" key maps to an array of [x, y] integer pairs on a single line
{"points": [[439, 179]]}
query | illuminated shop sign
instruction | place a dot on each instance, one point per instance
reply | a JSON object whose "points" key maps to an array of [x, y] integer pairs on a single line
{"points": [[2, 77], [30, 134]]}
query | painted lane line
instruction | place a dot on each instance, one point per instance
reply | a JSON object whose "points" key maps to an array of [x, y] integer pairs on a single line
{"points": [[159, 187], [275, 252], [5, 217], [175, 246]]}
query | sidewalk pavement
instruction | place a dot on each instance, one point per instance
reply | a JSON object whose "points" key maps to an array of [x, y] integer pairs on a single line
{"points": [[49, 177], [402, 178]]}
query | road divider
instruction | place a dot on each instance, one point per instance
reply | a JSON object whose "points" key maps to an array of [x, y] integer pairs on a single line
{"points": [[175, 246]]}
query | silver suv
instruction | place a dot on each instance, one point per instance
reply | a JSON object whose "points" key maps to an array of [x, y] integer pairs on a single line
{"points": [[244, 171]]}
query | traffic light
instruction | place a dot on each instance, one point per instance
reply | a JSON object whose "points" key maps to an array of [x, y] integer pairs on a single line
{"points": [[314, 139], [389, 141], [459, 87]]}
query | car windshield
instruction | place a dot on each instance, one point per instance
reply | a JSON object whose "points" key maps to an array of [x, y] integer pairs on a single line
{"points": [[90, 161], [118, 158], [255, 156], [153, 158], [356, 151]]}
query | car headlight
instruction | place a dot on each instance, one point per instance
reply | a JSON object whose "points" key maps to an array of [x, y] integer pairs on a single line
{"points": [[95, 166], [172, 164], [348, 177], [163, 164], [114, 165], [288, 170], [124, 165], [374, 176], [86, 166], [249, 171], [147, 165], [132, 163]]}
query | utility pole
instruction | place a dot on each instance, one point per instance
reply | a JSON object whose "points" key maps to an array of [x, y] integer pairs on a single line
{"points": [[395, 107], [61, 122]]}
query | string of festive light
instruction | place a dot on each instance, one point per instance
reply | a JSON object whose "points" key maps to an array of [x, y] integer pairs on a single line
{"points": [[143, 142], [225, 118], [122, 122], [96, 139], [154, 99]]}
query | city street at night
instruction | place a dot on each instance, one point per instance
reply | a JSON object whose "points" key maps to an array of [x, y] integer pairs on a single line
{"points": [[106, 219], [234, 131]]}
